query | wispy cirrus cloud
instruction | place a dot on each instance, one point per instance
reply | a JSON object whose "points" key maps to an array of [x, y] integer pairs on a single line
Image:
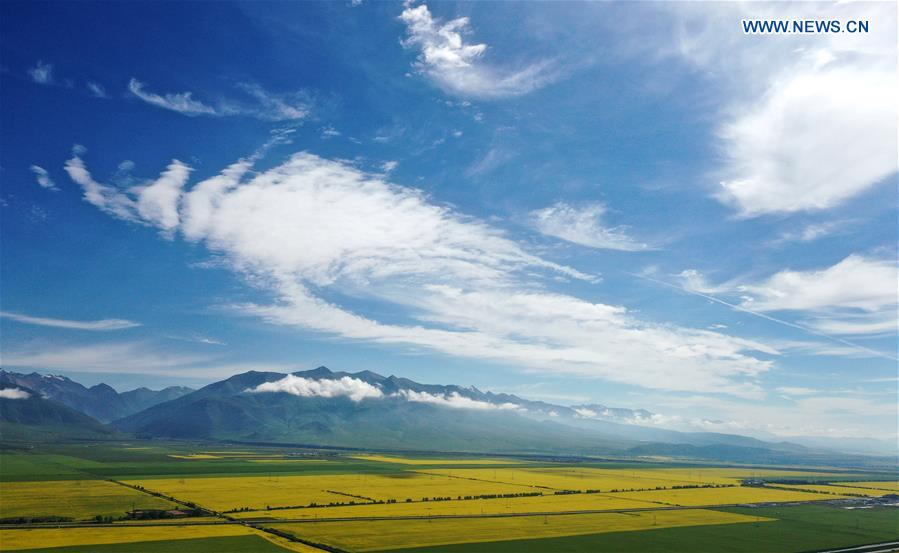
{"points": [[584, 225], [99, 325], [126, 357], [264, 105], [182, 102], [856, 296], [43, 178], [458, 67], [42, 73], [312, 225], [96, 89]]}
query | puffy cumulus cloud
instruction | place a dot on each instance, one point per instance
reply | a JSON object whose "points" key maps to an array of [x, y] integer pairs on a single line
{"points": [[455, 400], [458, 67], [313, 226], [584, 226], [586, 413], [786, 92], [102, 324], [346, 386], [265, 105], [13, 393], [781, 161], [43, 177]]}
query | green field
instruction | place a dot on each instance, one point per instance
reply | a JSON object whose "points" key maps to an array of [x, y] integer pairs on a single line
{"points": [[237, 544], [795, 529]]}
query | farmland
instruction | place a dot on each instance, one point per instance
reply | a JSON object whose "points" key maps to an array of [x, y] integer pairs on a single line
{"points": [[380, 535], [263, 499], [76, 499], [15, 540]]}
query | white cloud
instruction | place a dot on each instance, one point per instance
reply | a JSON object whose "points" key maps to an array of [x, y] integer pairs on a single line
{"points": [[273, 107], [266, 105], [389, 166], [812, 232], [330, 132], [883, 322], [455, 400], [346, 386], [155, 203], [457, 67], [312, 226], [41, 73], [13, 393], [586, 413], [105, 197], [781, 159], [858, 295], [97, 90], [856, 282], [810, 120], [796, 391], [583, 225], [182, 102], [103, 358], [103, 324], [43, 177]]}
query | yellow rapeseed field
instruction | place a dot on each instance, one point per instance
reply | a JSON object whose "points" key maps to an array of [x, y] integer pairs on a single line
{"points": [[590, 478], [700, 497], [79, 499], [376, 535], [285, 460], [195, 456], [538, 504], [573, 478], [836, 489], [890, 485], [17, 540], [257, 492], [430, 461]]}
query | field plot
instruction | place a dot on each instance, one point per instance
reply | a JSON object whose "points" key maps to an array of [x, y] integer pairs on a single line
{"points": [[538, 504], [44, 467], [836, 489], [701, 497], [434, 461], [574, 478], [809, 527], [715, 475], [380, 535], [17, 540], [606, 480], [258, 492], [892, 486], [78, 499]]}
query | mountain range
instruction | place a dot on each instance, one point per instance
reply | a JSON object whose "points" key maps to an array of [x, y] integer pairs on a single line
{"points": [[368, 410], [101, 402]]}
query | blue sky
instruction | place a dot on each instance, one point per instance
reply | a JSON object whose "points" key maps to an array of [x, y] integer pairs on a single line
{"points": [[631, 204]]}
